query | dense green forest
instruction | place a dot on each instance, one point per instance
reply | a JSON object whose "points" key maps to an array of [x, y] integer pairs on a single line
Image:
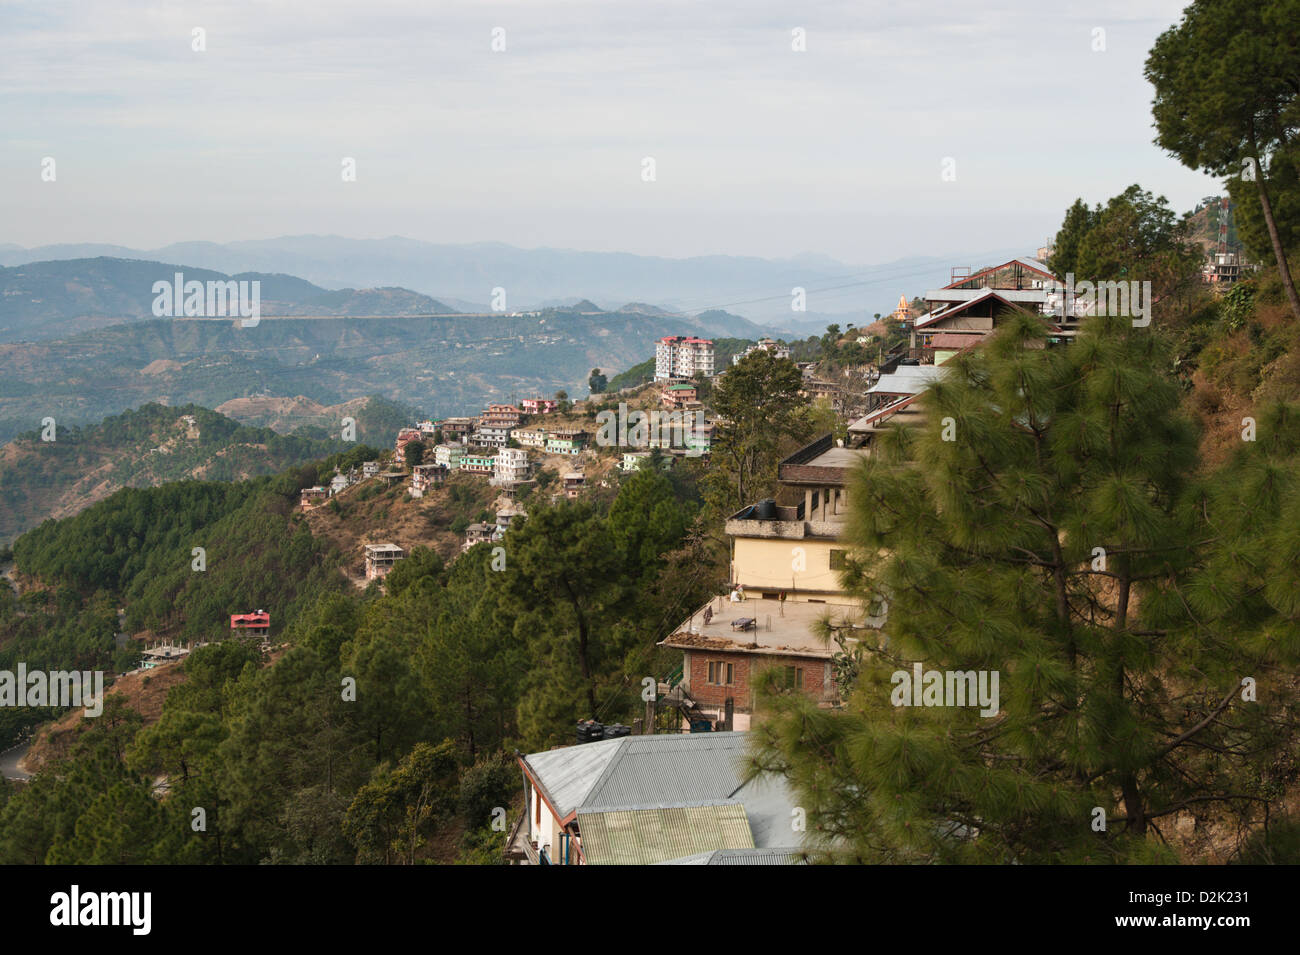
{"points": [[452, 667], [153, 444], [136, 551]]}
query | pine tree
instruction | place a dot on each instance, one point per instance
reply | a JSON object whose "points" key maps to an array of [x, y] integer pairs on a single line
{"points": [[1046, 524]]}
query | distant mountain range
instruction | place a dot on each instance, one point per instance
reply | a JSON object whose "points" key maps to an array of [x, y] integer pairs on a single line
{"points": [[45, 299], [463, 277], [83, 342], [442, 364]]}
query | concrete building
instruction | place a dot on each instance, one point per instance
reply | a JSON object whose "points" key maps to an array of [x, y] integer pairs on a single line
{"points": [[539, 405], [507, 516], [491, 436], [314, 496], [777, 349], [573, 483], [511, 466], [893, 401], [966, 310], [678, 395], [530, 437], [453, 428], [478, 463], [426, 477], [680, 356], [159, 655], [500, 416], [566, 441], [449, 455], [380, 559], [256, 624], [405, 437], [479, 533], [785, 584]]}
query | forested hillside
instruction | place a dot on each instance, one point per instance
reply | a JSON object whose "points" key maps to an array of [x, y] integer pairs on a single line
{"points": [[154, 444], [454, 665]]}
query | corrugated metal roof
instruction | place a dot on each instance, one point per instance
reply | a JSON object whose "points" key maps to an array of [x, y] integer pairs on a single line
{"points": [[652, 773], [962, 295], [670, 770], [567, 774], [956, 339], [647, 836], [742, 857], [911, 382]]}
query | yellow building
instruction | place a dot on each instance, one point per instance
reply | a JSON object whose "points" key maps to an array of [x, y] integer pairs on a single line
{"points": [[786, 559]]}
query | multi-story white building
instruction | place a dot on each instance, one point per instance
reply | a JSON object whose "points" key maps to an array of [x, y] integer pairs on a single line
{"points": [[449, 455], [511, 466], [632, 460], [530, 437], [680, 356], [491, 436]]}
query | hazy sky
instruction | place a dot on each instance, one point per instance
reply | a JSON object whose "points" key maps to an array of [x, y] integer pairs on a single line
{"points": [[758, 149]]}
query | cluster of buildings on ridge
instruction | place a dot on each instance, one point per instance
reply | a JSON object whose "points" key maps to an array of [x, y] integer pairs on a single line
{"points": [[254, 626], [682, 798]]}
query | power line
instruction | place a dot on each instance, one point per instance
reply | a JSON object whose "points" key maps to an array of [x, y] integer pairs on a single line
{"points": [[876, 278]]}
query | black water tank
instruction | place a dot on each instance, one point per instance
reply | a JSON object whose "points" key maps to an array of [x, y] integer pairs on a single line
{"points": [[589, 731], [615, 730], [765, 510]]}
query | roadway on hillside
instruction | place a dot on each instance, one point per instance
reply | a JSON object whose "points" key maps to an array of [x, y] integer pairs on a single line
{"points": [[9, 760]]}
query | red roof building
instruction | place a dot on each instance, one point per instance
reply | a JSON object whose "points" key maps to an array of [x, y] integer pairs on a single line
{"points": [[258, 623]]}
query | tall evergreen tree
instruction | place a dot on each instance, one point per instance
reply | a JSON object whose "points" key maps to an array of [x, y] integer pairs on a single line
{"points": [[758, 403], [1227, 85], [1046, 525]]}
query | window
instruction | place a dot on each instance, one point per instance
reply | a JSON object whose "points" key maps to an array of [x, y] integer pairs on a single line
{"points": [[721, 674], [794, 678], [838, 559]]}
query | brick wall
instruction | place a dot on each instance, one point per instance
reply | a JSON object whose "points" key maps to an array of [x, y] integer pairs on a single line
{"points": [[706, 694]]}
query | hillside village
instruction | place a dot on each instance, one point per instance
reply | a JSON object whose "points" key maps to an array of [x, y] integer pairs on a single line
{"points": [[678, 799], [453, 495], [631, 435]]}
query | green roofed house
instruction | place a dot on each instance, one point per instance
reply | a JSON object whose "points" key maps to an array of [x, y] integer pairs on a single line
{"points": [[641, 800]]}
